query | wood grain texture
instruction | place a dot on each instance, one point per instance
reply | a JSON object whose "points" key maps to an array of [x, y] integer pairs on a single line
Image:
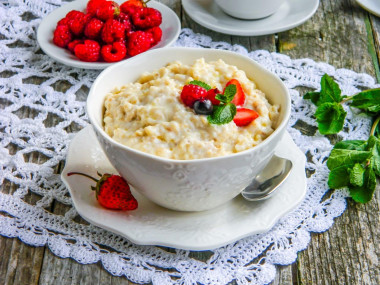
{"points": [[341, 34]]}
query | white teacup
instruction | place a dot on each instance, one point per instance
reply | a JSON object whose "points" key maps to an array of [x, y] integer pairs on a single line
{"points": [[249, 9]]}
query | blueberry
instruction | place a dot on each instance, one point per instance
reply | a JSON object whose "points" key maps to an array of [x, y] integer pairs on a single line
{"points": [[203, 107]]}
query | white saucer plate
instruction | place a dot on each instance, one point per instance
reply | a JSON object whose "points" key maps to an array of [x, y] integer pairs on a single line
{"points": [[291, 14], [151, 224], [372, 6], [171, 27]]}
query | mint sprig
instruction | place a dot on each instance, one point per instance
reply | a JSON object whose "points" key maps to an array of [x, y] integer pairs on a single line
{"points": [[330, 113], [201, 84], [226, 111], [354, 164]]}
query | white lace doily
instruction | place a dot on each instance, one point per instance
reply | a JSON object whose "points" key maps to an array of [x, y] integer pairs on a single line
{"points": [[22, 60]]}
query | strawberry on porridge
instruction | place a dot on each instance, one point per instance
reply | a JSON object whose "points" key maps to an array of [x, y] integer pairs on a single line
{"points": [[184, 112]]}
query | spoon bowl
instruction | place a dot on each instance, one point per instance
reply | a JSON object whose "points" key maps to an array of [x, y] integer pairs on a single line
{"points": [[267, 182]]}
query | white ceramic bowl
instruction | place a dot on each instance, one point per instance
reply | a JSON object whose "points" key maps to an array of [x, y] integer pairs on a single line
{"points": [[187, 185]]}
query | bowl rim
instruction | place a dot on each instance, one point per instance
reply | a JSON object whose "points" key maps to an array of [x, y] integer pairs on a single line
{"points": [[98, 129]]}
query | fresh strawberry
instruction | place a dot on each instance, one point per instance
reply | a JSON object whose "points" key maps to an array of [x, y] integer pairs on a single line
{"points": [[156, 33], [133, 3], [129, 9], [112, 192], [244, 116], [93, 29], [115, 52], [139, 42], [108, 10], [113, 31], [88, 51], [93, 5], [71, 46], [239, 98], [62, 36], [191, 93], [147, 18], [126, 21], [211, 96]]}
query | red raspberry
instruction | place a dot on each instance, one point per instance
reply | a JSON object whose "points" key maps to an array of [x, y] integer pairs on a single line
{"points": [[62, 36], [71, 46], [211, 96], [78, 22], [93, 5], [88, 51], [156, 33], [191, 93], [73, 14], [93, 29], [108, 10], [139, 42], [115, 52], [129, 8], [113, 31], [63, 21], [126, 21], [147, 18]]}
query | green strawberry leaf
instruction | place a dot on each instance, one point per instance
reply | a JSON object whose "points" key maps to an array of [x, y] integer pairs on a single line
{"points": [[368, 100], [201, 84], [330, 118], [330, 91], [222, 114]]}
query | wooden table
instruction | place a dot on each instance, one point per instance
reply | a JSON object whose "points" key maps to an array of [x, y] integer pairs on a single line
{"points": [[342, 34]]}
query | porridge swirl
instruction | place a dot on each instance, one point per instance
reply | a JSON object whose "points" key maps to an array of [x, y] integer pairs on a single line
{"points": [[149, 116]]}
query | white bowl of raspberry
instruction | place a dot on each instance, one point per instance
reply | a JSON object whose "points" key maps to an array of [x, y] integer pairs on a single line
{"points": [[191, 183], [93, 34]]}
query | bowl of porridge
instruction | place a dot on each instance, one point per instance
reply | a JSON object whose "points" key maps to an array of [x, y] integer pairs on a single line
{"points": [[168, 152]]}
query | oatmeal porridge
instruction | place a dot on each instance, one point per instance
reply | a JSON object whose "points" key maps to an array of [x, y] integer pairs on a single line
{"points": [[149, 116]]}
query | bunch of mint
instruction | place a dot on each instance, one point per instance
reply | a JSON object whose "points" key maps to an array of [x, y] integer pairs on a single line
{"points": [[354, 164], [225, 111]]}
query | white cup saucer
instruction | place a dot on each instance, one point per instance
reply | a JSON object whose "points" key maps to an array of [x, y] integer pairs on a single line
{"points": [[151, 224], [290, 14]]}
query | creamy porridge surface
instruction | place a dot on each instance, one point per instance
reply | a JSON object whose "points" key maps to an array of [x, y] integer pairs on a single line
{"points": [[148, 115]]}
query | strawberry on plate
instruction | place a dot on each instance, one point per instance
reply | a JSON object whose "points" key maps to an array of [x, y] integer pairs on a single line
{"points": [[112, 191], [244, 116]]}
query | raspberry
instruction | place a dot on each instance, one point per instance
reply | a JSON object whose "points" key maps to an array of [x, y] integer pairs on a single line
{"points": [[156, 33], [73, 14], [93, 5], [147, 18], [77, 23], [129, 7], [62, 36], [108, 10], [191, 93], [211, 96], [126, 21], [93, 29], [113, 31], [139, 42], [71, 46], [88, 51], [63, 21], [115, 52]]}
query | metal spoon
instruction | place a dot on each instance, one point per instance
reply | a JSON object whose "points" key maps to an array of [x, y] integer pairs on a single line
{"points": [[266, 183]]}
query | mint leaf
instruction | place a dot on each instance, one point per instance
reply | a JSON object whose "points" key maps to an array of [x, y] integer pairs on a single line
{"points": [[364, 193], [330, 91], [351, 144], [357, 175], [339, 177], [368, 100], [348, 157], [201, 84], [229, 94], [374, 147], [330, 118], [222, 114], [313, 96]]}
